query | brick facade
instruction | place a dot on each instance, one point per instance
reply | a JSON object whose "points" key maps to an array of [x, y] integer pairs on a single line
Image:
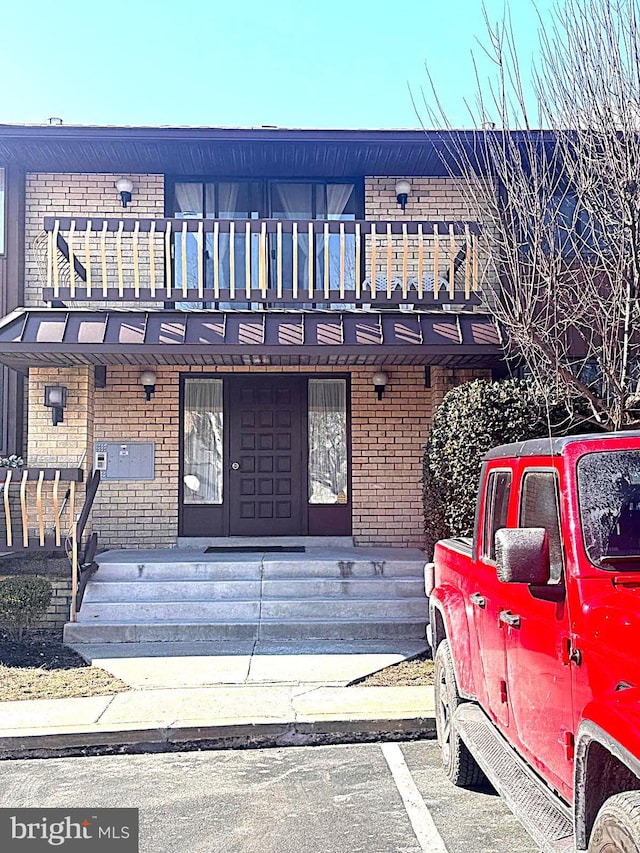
{"points": [[52, 194], [388, 436]]}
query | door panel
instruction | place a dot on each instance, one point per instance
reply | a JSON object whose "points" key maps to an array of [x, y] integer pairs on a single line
{"points": [[267, 477], [539, 673]]}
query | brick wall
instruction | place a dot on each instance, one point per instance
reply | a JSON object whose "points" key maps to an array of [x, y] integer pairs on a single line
{"points": [[431, 198], [387, 442], [52, 194], [142, 513], [59, 608], [66, 445]]}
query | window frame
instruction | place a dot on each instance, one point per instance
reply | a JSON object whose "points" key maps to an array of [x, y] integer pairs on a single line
{"points": [[488, 541], [266, 184], [556, 481]]}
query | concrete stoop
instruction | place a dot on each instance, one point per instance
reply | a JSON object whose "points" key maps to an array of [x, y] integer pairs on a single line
{"points": [[186, 595]]}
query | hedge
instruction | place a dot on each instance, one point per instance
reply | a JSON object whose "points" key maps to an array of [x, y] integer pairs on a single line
{"points": [[23, 601], [473, 418]]}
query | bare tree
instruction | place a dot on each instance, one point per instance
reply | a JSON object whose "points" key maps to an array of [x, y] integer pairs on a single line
{"points": [[562, 224]]}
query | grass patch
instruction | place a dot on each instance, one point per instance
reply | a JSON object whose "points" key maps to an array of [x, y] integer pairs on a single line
{"points": [[41, 667]]}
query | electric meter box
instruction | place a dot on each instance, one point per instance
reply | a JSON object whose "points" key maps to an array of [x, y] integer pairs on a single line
{"points": [[121, 460]]}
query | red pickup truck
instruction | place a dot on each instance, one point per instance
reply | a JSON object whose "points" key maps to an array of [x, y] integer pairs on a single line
{"points": [[535, 631]]}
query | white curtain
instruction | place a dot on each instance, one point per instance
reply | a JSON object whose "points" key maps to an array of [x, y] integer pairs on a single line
{"points": [[227, 209], [327, 441], [338, 198], [293, 201], [188, 206], [202, 441]]}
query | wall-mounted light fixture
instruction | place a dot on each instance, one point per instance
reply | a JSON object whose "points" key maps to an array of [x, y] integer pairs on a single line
{"points": [[379, 382], [403, 191], [124, 187], [100, 375], [148, 382], [55, 398]]}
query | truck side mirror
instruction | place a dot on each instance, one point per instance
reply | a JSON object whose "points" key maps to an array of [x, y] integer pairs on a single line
{"points": [[522, 555]]}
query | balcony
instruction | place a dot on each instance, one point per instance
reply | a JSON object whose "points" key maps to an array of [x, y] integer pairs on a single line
{"points": [[260, 263]]}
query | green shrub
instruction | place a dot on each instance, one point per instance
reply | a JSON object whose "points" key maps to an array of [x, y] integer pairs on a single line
{"points": [[24, 600], [473, 418]]}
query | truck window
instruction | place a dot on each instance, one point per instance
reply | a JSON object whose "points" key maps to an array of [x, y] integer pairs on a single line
{"points": [[539, 507], [495, 516]]}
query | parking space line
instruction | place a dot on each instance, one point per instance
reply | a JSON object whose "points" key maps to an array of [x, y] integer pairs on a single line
{"points": [[419, 815]]}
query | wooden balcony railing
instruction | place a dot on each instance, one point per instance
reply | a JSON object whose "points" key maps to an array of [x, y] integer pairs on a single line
{"points": [[40, 513], [263, 261]]}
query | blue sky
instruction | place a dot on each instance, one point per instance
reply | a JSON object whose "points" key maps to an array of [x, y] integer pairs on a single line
{"points": [[291, 63]]}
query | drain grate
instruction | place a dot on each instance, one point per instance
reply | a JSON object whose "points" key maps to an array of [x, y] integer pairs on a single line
{"points": [[255, 549]]}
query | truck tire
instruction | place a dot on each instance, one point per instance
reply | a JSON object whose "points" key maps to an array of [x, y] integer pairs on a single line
{"points": [[458, 763], [617, 825]]}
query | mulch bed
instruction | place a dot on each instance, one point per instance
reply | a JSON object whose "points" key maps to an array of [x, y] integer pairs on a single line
{"points": [[414, 672], [41, 667]]}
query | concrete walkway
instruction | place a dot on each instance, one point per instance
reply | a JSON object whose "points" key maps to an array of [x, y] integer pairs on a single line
{"points": [[145, 665], [224, 695]]}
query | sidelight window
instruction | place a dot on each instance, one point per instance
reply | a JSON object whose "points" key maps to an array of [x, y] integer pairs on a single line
{"points": [[327, 441], [202, 441]]}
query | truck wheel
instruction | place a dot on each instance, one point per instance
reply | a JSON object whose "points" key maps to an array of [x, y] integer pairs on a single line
{"points": [[617, 825], [458, 763]]}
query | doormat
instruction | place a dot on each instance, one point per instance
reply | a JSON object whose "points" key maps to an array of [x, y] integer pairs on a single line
{"points": [[256, 549]]}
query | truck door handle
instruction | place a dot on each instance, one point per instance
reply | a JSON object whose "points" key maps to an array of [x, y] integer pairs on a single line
{"points": [[478, 600], [509, 618]]}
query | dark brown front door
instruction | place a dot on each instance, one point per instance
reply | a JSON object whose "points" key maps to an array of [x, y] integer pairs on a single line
{"points": [[267, 477]]}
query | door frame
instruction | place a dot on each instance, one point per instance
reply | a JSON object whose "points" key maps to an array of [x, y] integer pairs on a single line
{"points": [[316, 519]]}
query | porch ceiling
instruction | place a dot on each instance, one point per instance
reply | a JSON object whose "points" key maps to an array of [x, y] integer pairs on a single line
{"points": [[59, 337]]}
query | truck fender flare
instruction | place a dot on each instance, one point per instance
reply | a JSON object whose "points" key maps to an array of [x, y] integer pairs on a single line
{"points": [[589, 734], [448, 602]]}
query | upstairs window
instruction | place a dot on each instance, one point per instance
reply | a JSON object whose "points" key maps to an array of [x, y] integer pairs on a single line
{"points": [[227, 260]]}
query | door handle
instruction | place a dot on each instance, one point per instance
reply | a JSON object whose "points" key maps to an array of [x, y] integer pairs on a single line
{"points": [[478, 600], [509, 618], [235, 466]]}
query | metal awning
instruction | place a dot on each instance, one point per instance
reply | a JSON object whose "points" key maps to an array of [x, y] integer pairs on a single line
{"points": [[60, 337]]}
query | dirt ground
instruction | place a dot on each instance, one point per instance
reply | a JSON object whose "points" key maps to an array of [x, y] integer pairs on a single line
{"points": [[408, 673], [40, 667]]}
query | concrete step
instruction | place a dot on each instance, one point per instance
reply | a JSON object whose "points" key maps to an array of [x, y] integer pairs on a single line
{"points": [[149, 589], [344, 569], [364, 609], [159, 632], [161, 590], [173, 611], [209, 570], [342, 629], [281, 630], [268, 569], [376, 587], [333, 594]]}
